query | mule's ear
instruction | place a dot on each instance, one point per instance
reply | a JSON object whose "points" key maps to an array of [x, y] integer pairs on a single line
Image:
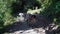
{"points": [[34, 16]]}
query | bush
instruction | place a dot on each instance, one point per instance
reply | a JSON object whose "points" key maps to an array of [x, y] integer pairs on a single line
{"points": [[5, 12]]}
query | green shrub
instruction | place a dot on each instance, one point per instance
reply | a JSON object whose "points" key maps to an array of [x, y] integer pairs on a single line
{"points": [[5, 12]]}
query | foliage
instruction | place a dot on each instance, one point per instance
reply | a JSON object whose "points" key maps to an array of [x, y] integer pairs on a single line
{"points": [[53, 11], [5, 12]]}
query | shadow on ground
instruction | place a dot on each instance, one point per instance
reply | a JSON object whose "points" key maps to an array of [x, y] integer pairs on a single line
{"points": [[18, 26]]}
